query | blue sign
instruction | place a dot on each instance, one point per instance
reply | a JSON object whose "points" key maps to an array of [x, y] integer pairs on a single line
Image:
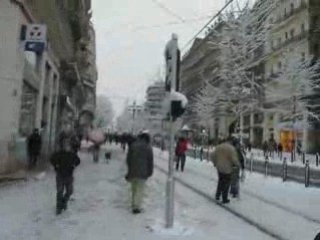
{"points": [[37, 47]]}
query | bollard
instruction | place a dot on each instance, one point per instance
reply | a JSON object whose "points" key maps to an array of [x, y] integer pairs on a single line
{"points": [[292, 156], [307, 174], [317, 159], [304, 158], [251, 162], [266, 166], [195, 153], [284, 169]]}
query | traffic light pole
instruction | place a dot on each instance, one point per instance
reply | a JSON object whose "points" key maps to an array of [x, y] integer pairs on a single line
{"points": [[170, 181], [171, 78]]}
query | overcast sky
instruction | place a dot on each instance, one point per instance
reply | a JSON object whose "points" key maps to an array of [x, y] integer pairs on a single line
{"points": [[131, 36]]}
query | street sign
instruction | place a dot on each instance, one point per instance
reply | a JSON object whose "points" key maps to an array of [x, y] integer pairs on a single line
{"points": [[36, 38], [36, 33]]}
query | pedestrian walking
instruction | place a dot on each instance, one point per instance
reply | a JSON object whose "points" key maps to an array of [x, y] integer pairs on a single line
{"points": [[249, 147], [280, 150], [235, 178], [265, 148], [140, 168], [224, 159], [34, 144], [96, 152], [181, 148], [64, 162]]}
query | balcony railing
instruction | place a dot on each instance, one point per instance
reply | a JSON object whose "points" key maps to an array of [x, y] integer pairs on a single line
{"points": [[293, 12], [296, 38]]}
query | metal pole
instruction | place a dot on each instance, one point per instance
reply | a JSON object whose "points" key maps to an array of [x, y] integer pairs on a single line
{"points": [[266, 166], [317, 159], [284, 170], [170, 182], [307, 174], [251, 162]]}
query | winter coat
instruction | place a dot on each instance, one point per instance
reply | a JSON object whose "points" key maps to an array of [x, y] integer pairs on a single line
{"points": [[225, 157], [34, 143], [64, 162], [140, 160], [182, 147]]}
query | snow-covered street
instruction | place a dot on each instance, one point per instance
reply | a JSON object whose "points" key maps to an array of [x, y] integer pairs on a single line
{"points": [[100, 209]]}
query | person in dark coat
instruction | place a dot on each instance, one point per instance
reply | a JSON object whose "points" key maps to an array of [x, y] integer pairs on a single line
{"points": [[280, 150], [265, 148], [140, 168], [34, 147], [224, 158], [64, 162], [235, 184]]}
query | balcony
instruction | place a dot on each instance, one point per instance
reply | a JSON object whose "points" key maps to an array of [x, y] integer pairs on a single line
{"points": [[296, 38], [287, 16]]}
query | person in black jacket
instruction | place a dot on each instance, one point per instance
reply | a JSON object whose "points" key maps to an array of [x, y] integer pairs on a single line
{"points": [[34, 147], [140, 168], [64, 162]]}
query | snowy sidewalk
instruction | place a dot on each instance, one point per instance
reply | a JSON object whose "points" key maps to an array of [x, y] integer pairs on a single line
{"points": [[287, 210], [101, 210]]}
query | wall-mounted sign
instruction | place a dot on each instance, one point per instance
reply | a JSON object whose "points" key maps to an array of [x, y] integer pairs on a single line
{"points": [[35, 37]]}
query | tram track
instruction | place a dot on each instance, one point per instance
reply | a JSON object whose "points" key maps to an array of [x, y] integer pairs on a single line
{"points": [[247, 219]]}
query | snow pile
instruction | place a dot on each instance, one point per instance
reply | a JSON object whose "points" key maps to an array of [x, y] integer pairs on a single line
{"points": [[178, 229]]}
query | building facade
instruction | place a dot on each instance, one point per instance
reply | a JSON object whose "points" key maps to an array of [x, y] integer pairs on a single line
{"points": [[199, 65], [295, 29], [46, 90]]}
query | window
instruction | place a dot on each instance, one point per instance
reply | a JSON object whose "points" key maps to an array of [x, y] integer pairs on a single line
{"points": [[316, 49], [303, 56], [285, 12], [291, 8], [279, 65], [303, 28], [292, 33], [286, 35]]}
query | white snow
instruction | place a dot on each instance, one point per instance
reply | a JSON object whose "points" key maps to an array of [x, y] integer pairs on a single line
{"points": [[100, 209], [287, 209]]}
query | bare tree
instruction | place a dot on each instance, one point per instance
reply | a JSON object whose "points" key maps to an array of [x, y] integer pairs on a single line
{"points": [[240, 40], [292, 88], [104, 112]]}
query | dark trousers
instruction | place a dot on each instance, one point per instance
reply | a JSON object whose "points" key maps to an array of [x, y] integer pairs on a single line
{"points": [[64, 191], [235, 182], [33, 159], [223, 186], [180, 162], [96, 153]]}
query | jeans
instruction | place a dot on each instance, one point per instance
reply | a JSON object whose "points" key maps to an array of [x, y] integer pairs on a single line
{"points": [[180, 161], [96, 153], [137, 189], [64, 190], [235, 182], [33, 159], [223, 186]]}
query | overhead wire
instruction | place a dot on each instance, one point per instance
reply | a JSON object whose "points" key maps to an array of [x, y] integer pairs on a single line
{"points": [[206, 25], [168, 10]]}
